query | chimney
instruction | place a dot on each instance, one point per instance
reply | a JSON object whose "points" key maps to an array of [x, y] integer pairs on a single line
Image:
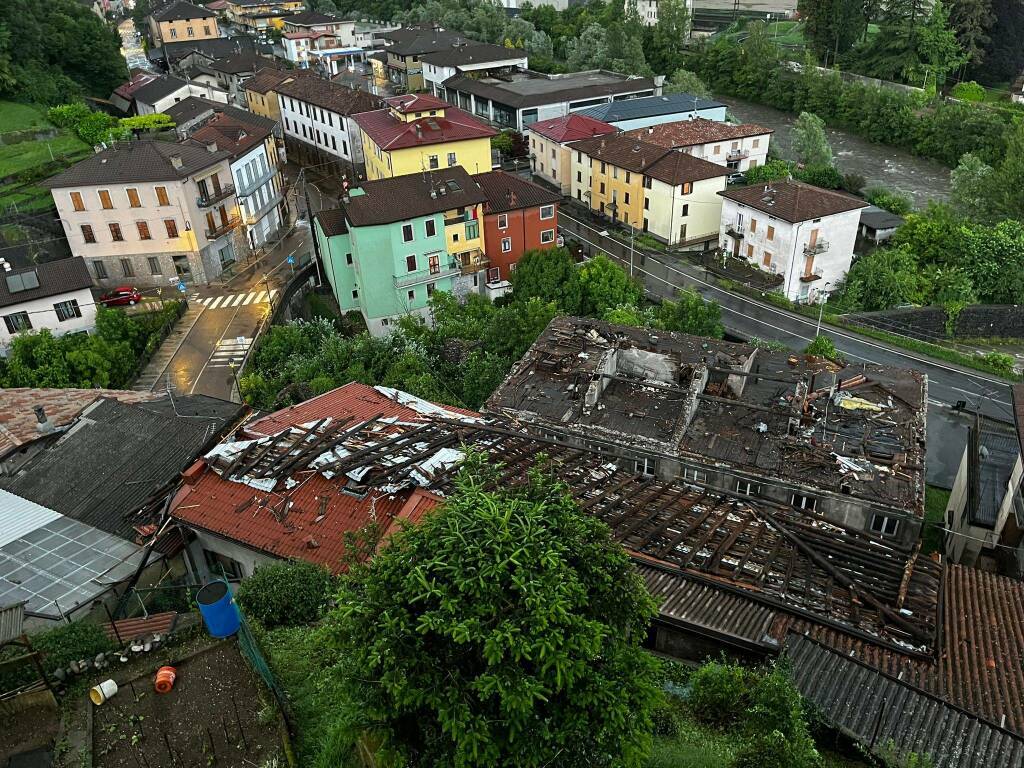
{"points": [[176, 162], [43, 424], [650, 130], [212, 147]]}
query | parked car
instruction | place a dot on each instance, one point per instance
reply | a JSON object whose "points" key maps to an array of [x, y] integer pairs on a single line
{"points": [[125, 294], [737, 178]]}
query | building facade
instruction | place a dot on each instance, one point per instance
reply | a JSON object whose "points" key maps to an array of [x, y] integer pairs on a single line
{"points": [[417, 133], [395, 241], [479, 58], [627, 114], [51, 296], [322, 41], [550, 155], [151, 212], [802, 232], [405, 48], [738, 147], [262, 14], [182, 21]]}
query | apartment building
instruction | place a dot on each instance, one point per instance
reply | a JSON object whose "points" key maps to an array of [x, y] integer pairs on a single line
{"points": [[323, 41], [405, 48], [395, 241], [181, 21], [738, 147], [261, 91], [149, 212], [259, 15], [148, 94], [317, 116], [667, 193], [52, 296], [802, 232], [550, 155], [478, 58], [419, 132]]}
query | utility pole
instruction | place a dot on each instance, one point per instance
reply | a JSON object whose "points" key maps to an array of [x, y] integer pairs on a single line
{"points": [[312, 228]]}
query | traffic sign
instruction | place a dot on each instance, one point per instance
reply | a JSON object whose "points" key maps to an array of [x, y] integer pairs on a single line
{"points": [[181, 287], [290, 259], [560, 241]]}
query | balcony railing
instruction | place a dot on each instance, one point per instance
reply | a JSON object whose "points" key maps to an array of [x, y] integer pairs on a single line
{"points": [[736, 230], [472, 261], [260, 213], [820, 246], [215, 196], [222, 229], [248, 188], [419, 278], [738, 154], [810, 277]]}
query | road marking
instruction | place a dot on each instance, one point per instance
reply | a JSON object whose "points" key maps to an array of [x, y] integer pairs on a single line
{"points": [[262, 297], [767, 307], [236, 299], [230, 351]]}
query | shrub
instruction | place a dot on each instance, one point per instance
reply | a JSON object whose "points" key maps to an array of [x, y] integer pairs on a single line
{"points": [[890, 200], [1001, 363], [718, 692], [854, 183], [68, 115], [287, 593], [969, 91], [825, 176], [774, 750], [823, 346], [59, 647]]}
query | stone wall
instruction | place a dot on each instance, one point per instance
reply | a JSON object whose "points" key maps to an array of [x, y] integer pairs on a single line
{"points": [[929, 323]]}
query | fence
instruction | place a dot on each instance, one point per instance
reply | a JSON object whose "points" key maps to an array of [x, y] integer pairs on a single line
{"points": [[250, 648]]}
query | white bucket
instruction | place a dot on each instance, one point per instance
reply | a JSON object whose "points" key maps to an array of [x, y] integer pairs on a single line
{"points": [[100, 693]]}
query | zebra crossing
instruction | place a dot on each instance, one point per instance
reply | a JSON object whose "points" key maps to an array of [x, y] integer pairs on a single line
{"points": [[230, 352], [237, 299]]}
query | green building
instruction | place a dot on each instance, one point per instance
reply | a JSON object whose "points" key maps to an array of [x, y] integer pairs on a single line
{"points": [[394, 241]]}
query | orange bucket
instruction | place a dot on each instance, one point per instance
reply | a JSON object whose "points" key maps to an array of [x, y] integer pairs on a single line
{"points": [[165, 679]]}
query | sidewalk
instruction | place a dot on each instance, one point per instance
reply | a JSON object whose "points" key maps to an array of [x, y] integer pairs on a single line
{"points": [[151, 374], [297, 242]]}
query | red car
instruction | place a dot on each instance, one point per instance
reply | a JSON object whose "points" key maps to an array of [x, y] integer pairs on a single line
{"points": [[125, 294]]}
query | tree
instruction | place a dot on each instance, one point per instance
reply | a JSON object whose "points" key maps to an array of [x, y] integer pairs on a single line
{"points": [[970, 188], [504, 629], [884, 278], [810, 141], [889, 200], [825, 176], [938, 46], [684, 81], [666, 40], [831, 26], [605, 285], [691, 313], [773, 170], [549, 275], [1008, 186], [589, 50], [971, 20]]}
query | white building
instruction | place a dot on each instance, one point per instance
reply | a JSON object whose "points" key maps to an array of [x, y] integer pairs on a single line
{"points": [[164, 91], [627, 114], [738, 147], [469, 57], [314, 39], [52, 295], [316, 116], [550, 154], [802, 232]]}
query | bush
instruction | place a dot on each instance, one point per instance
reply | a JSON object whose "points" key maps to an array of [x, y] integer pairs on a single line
{"points": [[68, 115], [969, 91], [1001, 363], [824, 176], [854, 183], [773, 750], [59, 647], [718, 692], [823, 346], [889, 200], [287, 593]]}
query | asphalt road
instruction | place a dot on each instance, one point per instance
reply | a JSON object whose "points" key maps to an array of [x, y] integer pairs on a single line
{"points": [[747, 318]]}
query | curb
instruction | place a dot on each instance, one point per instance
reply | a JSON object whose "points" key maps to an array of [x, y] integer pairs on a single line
{"points": [[180, 342]]}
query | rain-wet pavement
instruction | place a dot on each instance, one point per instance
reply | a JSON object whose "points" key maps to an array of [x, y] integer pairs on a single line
{"points": [[880, 164]]}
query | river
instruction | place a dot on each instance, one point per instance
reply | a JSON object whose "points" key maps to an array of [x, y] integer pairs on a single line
{"points": [[880, 164]]}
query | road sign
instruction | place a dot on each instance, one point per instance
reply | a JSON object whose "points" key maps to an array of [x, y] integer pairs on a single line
{"points": [[560, 241], [181, 287], [290, 259]]}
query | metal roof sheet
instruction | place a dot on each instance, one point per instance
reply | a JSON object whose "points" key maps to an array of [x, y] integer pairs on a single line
{"points": [[20, 516], [11, 620]]}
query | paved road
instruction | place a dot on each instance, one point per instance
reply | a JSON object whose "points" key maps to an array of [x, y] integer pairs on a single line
{"points": [[918, 177], [746, 318]]}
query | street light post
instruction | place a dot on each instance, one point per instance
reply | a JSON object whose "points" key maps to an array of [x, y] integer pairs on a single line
{"points": [[632, 232], [821, 308]]}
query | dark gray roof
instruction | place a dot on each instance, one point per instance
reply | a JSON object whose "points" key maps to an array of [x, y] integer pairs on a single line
{"points": [[214, 48], [311, 18], [511, 192], [55, 278], [413, 41], [193, 107], [648, 106], [399, 198], [117, 456], [130, 161], [531, 89], [875, 709], [878, 218], [240, 63], [473, 53], [157, 89], [180, 10]]}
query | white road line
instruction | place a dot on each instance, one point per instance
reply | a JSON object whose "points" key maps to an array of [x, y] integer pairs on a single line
{"points": [[832, 329], [216, 302], [237, 299], [262, 297]]}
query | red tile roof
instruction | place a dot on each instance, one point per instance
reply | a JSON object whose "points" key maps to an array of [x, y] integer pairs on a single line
{"points": [[230, 134], [416, 102], [571, 128], [143, 626], [388, 132], [125, 90], [700, 130]]}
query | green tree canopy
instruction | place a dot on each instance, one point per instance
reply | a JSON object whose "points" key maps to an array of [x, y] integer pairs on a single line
{"points": [[685, 81], [691, 313], [549, 275], [504, 629], [884, 278], [810, 141], [970, 188], [606, 285]]}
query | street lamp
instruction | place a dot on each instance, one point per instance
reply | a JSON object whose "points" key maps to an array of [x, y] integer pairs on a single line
{"points": [[234, 376], [821, 307]]}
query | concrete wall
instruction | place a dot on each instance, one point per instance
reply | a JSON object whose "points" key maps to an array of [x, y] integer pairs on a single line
{"points": [[42, 314], [929, 323], [700, 210], [712, 113], [322, 128]]}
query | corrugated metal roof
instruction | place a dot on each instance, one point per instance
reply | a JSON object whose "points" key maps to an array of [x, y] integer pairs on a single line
{"points": [[11, 619], [19, 517], [878, 710]]}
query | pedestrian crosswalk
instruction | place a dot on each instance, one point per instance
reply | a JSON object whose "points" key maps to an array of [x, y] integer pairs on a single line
{"points": [[230, 352], [237, 299]]}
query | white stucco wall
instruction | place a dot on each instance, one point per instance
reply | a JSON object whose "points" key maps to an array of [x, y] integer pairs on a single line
{"points": [[701, 211], [713, 113], [339, 135], [42, 314]]}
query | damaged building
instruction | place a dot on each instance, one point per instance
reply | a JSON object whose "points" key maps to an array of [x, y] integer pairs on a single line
{"points": [[839, 443]]}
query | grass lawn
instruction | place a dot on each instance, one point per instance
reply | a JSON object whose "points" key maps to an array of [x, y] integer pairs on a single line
{"points": [[935, 500], [17, 117], [15, 158]]}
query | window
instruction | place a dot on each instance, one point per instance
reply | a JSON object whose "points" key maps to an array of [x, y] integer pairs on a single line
{"points": [[133, 197], [451, 159], [430, 290], [750, 251], [127, 268], [191, 32], [434, 264], [206, 30], [757, 143], [66, 310], [547, 236], [602, 188], [348, 259], [472, 230], [887, 526], [174, 33], [161, 196], [432, 162], [806, 503], [87, 234], [115, 232], [686, 210], [548, 211], [502, 221], [506, 245], [643, 466], [77, 202], [753, 225], [647, 203], [579, 176], [411, 294], [430, 227], [334, 144], [410, 263], [220, 565], [355, 293], [682, 232], [407, 233], [143, 227], [717, 150], [602, 168], [154, 265], [625, 198], [695, 475], [105, 200], [18, 321], [100, 270], [627, 177], [455, 237], [493, 275], [172, 228], [747, 488], [687, 188], [771, 232]]}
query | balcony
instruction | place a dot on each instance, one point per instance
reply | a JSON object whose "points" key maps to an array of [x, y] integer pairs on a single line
{"points": [[736, 230], [215, 196], [810, 277], [473, 261], [248, 188], [420, 277], [222, 229], [738, 154], [820, 246]]}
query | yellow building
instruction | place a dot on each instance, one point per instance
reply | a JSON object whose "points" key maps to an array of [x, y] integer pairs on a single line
{"points": [[418, 132], [182, 21], [260, 14], [261, 93], [664, 192]]}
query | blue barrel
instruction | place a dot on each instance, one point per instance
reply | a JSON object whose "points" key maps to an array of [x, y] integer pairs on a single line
{"points": [[220, 614]]}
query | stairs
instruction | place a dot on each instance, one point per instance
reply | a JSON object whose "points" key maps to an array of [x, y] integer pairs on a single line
{"points": [[150, 375]]}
